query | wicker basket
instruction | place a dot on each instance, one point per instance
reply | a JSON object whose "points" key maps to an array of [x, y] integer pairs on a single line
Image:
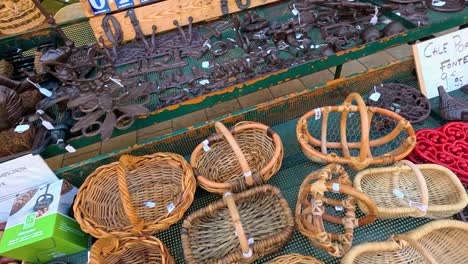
{"points": [[442, 241], [136, 195], [240, 228], [426, 190], [317, 150], [247, 155], [6, 69], [19, 15], [310, 210], [14, 143], [295, 259], [134, 250]]}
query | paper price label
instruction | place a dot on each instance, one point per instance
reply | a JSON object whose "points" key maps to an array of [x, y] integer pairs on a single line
{"points": [[150, 204], [339, 208], [47, 124], [21, 128], [318, 113], [375, 96], [70, 148], [170, 207]]}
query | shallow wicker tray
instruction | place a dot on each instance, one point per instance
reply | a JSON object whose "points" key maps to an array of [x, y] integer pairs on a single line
{"points": [[429, 190], [442, 241]]}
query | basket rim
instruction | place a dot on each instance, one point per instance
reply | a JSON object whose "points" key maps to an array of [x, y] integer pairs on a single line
{"points": [[221, 204], [460, 190], [391, 245], [188, 186]]}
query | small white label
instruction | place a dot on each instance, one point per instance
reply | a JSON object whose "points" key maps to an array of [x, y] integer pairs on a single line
{"points": [[438, 3], [150, 204], [247, 60], [207, 44], [420, 207], [117, 81], [47, 124], [21, 128], [250, 241], [70, 148], [295, 12], [298, 35], [248, 174], [205, 64], [339, 208], [318, 113], [398, 193], [375, 96], [170, 207], [204, 81], [336, 187], [398, 13], [301, 46], [374, 20], [45, 92], [358, 27]]}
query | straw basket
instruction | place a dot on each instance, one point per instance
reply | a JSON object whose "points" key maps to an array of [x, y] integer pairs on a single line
{"points": [[134, 250], [233, 160], [310, 210], [442, 241], [426, 190], [13, 143], [365, 148], [295, 259], [240, 228], [6, 69], [19, 15], [136, 195]]}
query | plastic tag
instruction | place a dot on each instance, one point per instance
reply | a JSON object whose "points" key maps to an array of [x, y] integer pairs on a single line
{"points": [[204, 81], [21, 128], [375, 18], [336, 187], [170, 207], [318, 113], [150, 204], [248, 174], [205, 64], [247, 60], [206, 146], [438, 3], [47, 124], [295, 12], [207, 44], [42, 90], [339, 208], [70, 148], [117, 81], [420, 207], [398, 13], [301, 46], [250, 241], [398, 193], [375, 96], [298, 35]]}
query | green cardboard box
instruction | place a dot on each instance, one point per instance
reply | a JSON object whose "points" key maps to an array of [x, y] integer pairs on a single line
{"points": [[39, 228]]}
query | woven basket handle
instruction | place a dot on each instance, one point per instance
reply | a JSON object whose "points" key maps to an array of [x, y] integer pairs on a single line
{"points": [[246, 250], [421, 182], [220, 128], [365, 130], [128, 162], [416, 246]]}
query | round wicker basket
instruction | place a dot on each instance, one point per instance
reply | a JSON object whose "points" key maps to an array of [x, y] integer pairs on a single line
{"points": [[130, 250], [234, 160], [19, 15], [295, 259], [6, 69], [136, 195]]}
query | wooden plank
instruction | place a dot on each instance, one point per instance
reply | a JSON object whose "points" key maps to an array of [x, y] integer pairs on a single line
{"points": [[162, 14]]}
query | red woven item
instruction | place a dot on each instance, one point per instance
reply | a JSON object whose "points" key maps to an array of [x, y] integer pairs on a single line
{"points": [[446, 145]]}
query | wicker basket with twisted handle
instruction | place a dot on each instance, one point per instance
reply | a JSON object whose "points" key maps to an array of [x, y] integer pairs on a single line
{"points": [[441, 241], [295, 259], [406, 189], [317, 150], [233, 160], [19, 15], [135, 196], [130, 250], [310, 210], [240, 228]]}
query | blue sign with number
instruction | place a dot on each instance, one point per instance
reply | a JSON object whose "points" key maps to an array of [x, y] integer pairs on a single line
{"points": [[99, 6], [121, 4]]}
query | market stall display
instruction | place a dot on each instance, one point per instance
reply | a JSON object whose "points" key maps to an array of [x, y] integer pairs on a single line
{"points": [[441, 241], [340, 134], [406, 189], [126, 250], [135, 195], [310, 209], [240, 228], [232, 160]]}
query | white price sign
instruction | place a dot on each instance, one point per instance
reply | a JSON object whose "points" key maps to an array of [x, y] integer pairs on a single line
{"points": [[442, 61]]}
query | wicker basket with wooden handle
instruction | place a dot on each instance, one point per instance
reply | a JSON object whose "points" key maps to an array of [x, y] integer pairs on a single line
{"points": [[406, 189], [318, 149], [233, 160], [135, 196], [310, 210], [295, 259], [130, 250], [19, 15], [240, 228], [441, 241]]}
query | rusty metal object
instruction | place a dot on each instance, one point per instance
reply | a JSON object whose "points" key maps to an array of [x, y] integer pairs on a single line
{"points": [[393, 28], [452, 108], [416, 13], [370, 33]]}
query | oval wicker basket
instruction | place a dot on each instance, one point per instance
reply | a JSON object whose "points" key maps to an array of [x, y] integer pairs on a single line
{"points": [[389, 147], [441, 241], [233, 160], [310, 209], [130, 250], [240, 228], [136, 195], [295, 259], [19, 15], [425, 190]]}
